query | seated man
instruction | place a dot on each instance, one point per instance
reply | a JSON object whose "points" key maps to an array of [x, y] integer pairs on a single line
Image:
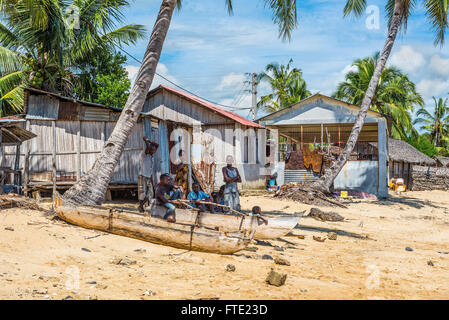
{"points": [[197, 195], [218, 198], [166, 195], [271, 180]]}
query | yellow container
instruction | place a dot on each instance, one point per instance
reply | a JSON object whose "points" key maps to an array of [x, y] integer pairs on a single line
{"points": [[344, 194]]}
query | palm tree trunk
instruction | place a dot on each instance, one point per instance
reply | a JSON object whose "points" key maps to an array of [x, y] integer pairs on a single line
{"points": [[326, 181], [92, 187]]}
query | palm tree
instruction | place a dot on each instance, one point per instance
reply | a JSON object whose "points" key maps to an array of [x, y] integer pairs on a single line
{"points": [[287, 84], [435, 124], [398, 12], [395, 94], [39, 48], [92, 187]]}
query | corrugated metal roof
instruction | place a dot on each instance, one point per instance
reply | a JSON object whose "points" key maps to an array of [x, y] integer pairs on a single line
{"points": [[208, 105], [312, 97], [11, 119], [73, 99], [14, 134]]}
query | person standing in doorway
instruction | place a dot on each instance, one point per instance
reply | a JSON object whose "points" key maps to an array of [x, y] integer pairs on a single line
{"points": [[145, 181], [231, 177]]}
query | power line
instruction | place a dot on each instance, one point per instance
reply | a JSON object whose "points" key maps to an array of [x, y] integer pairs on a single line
{"points": [[178, 86]]}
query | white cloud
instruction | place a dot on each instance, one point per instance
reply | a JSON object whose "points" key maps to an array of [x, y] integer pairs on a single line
{"points": [[161, 69], [433, 87], [231, 81], [439, 65], [407, 59], [132, 72]]}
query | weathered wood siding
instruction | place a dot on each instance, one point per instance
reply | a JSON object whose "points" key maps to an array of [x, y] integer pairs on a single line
{"points": [[92, 137], [168, 106]]}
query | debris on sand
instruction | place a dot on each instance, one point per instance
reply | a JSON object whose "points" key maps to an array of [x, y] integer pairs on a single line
{"points": [[408, 249], [267, 257], [230, 268], [123, 262], [148, 292], [282, 261], [275, 278], [252, 249], [9, 229], [11, 200], [430, 263], [325, 216], [302, 193], [332, 236], [319, 239]]}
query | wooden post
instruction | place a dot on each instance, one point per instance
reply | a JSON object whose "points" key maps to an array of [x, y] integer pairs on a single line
{"points": [[78, 152], [339, 148], [1, 145], [17, 179], [321, 137], [302, 142], [53, 127], [26, 166], [189, 156]]}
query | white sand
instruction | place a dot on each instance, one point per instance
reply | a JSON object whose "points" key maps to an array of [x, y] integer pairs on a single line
{"points": [[40, 259]]}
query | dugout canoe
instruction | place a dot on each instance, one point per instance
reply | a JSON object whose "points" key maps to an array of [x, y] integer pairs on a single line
{"points": [[152, 228], [276, 227]]}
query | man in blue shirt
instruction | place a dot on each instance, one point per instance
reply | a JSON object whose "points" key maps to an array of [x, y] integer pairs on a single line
{"points": [[197, 195]]}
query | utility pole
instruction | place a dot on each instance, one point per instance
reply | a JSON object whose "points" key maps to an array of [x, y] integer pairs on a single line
{"points": [[254, 96]]}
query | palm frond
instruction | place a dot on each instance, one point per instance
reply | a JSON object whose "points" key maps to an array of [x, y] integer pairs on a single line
{"points": [[285, 15], [355, 7], [437, 14]]}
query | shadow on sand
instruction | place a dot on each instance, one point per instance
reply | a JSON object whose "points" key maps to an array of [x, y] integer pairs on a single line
{"points": [[327, 230], [408, 201]]}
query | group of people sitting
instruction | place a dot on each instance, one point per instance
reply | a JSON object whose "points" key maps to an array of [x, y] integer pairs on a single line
{"points": [[168, 192]]}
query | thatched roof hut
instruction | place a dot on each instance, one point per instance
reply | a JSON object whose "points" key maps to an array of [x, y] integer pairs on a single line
{"points": [[401, 151], [442, 161]]}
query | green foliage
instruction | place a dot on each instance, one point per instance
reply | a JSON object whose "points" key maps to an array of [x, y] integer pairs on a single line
{"points": [[104, 80], [395, 95], [287, 85], [40, 48], [423, 144], [436, 124]]}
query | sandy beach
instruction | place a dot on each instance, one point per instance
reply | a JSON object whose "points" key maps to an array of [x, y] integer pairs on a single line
{"points": [[390, 249]]}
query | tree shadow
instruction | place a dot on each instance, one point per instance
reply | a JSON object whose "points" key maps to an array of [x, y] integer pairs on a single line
{"points": [[408, 201], [327, 230]]}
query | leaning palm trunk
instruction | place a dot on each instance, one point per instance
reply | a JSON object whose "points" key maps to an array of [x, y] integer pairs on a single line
{"points": [[326, 181], [92, 187]]}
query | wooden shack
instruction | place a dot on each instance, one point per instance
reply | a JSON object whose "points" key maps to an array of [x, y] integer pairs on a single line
{"points": [[207, 133], [324, 124], [71, 133], [12, 135]]}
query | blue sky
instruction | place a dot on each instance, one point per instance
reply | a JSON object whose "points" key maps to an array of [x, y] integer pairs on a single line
{"points": [[209, 52]]}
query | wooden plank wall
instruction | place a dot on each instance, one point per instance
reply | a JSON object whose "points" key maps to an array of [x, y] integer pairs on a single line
{"points": [[73, 144], [168, 106]]}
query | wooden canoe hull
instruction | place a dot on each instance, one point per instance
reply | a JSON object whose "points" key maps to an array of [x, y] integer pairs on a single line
{"points": [[276, 227], [153, 229]]}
